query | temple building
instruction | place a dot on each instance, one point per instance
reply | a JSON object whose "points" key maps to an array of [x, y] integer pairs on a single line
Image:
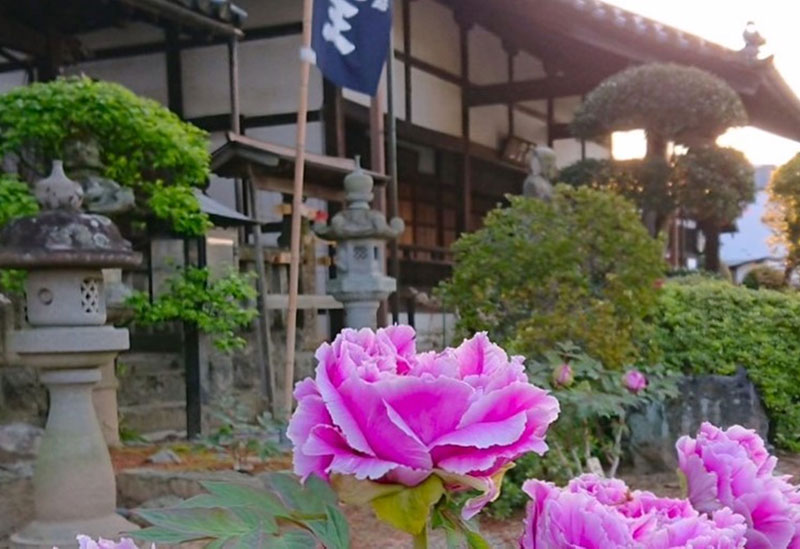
{"points": [[476, 84]]}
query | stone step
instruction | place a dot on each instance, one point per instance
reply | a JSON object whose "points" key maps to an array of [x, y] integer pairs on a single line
{"points": [[149, 418], [137, 388], [138, 363]]}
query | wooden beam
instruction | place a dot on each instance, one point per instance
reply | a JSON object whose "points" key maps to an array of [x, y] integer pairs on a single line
{"points": [[19, 37], [527, 90], [466, 171], [180, 14]]}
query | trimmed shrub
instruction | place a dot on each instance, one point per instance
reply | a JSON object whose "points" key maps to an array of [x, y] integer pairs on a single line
{"points": [[711, 327], [578, 268]]}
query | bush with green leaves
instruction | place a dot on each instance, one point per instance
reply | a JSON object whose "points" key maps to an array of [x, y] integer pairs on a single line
{"points": [[240, 435], [765, 277], [783, 213], [16, 201], [711, 327], [713, 185], [579, 268], [588, 436], [646, 182], [283, 514], [142, 144], [216, 306]]}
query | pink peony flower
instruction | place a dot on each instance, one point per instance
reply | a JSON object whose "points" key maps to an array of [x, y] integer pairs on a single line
{"points": [[634, 381], [732, 469], [559, 518], [563, 376], [596, 512], [377, 410]]}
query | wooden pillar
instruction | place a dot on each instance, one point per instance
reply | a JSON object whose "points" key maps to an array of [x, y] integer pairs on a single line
{"points": [[174, 77], [466, 172], [511, 54], [333, 115], [407, 48], [377, 144], [551, 115]]}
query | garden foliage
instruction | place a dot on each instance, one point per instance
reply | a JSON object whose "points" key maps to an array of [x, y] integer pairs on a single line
{"points": [[142, 144], [579, 268], [216, 306], [710, 326], [16, 201], [783, 213], [588, 436], [282, 515]]}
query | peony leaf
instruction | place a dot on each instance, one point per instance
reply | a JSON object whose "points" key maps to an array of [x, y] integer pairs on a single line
{"points": [[408, 509]]}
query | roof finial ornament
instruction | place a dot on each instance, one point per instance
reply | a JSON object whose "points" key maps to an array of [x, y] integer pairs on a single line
{"points": [[57, 191], [752, 41]]}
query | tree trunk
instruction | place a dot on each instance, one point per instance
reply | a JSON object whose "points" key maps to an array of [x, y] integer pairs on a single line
{"points": [[656, 148], [711, 231]]}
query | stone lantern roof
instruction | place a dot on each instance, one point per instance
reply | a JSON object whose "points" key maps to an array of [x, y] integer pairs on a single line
{"points": [[61, 236], [358, 220]]}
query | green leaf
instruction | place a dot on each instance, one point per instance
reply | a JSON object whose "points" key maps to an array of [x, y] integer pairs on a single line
{"points": [[311, 498], [201, 522], [408, 510], [334, 531], [163, 535]]}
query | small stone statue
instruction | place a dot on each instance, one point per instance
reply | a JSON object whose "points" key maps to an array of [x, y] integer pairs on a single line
{"points": [[102, 195], [543, 170], [752, 41]]}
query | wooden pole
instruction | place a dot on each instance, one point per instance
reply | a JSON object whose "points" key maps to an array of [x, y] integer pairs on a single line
{"points": [[377, 141], [297, 205], [392, 199]]}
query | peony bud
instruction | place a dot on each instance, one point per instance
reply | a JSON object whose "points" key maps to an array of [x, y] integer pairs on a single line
{"points": [[563, 376], [634, 381]]}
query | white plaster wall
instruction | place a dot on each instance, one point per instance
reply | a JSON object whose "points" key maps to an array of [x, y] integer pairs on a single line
{"points": [[261, 13], [489, 125], [205, 81], [286, 135], [144, 74], [436, 103], [569, 151], [435, 35], [564, 108], [488, 62], [530, 128], [11, 80], [527, 67], [270, 77]]}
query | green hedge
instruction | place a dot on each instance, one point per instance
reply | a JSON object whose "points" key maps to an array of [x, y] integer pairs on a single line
{"points": [[708, 326]]}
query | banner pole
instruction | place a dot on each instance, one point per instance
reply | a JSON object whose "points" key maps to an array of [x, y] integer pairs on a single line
{"points": [[394, 261], [297, 205]]}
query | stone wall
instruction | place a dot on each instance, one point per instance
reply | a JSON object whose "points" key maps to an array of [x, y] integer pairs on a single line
{"points": [[721, 400]]}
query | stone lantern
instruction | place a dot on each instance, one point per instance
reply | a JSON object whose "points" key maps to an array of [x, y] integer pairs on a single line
{"points": [[360, 233], [66, 338]]}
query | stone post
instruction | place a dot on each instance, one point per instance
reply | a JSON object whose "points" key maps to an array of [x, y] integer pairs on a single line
{"points": [[66, 339], [360, 234]]}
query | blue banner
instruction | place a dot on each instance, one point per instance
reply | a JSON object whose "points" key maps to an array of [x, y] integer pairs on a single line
{"points": [[351, 41]]}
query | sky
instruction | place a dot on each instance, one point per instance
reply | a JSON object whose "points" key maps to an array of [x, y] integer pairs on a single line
{"points": [[723, 21]]}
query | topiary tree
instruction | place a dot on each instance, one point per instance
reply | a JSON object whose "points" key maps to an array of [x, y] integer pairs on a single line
{"points": [[669, 102], [783, 213], [645, 182], [714, 184], [580, 267], [142, 144]]}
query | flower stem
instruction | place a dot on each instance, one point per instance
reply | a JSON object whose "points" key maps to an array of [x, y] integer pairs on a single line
{"points": [[421, 539]]}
